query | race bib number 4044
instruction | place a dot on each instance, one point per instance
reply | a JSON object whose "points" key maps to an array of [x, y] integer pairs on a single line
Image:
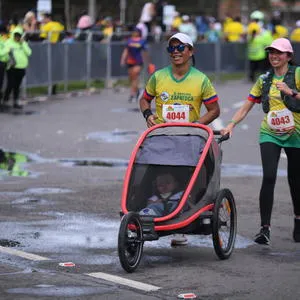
{"points": [[176, 113], [281, 121]]}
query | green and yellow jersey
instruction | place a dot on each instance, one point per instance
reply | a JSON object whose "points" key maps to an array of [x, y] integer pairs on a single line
{"points": [[186, 94], [280, 125]]}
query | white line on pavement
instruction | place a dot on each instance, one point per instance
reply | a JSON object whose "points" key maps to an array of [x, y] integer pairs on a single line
{"points": [[23, 254], [123, 281]]}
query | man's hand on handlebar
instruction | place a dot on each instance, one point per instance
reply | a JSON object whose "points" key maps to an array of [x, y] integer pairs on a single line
{"points": [[151, 120]]}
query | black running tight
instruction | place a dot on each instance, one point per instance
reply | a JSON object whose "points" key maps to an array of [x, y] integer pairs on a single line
{"points": [[270, 154]]}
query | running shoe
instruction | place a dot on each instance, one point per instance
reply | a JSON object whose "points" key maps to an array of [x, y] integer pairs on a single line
{"points": [[179, 240], [296, 233], [263, 237]]}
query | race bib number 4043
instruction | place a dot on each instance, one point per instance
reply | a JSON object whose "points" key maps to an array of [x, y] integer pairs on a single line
{"points": [[176, 113], [281, 121]]}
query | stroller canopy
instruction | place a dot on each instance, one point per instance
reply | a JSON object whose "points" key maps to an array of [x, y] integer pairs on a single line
{"points": [[180, 146]]}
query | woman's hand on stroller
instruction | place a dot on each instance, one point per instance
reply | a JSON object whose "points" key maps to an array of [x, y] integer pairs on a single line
{"points": [[227, 130], [224, 137]]}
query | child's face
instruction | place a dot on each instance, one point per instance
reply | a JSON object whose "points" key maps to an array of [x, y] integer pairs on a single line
{"points": [[166, 183]]}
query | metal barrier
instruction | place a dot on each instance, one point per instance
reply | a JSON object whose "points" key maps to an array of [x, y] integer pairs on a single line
{"points": [[87, 60], [93, 56]]}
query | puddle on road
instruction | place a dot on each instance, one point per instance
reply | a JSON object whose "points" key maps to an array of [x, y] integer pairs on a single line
{"points": [[8, 243], [14, 163], [17, 112], [37, 191], [95, 162], [62, 291], [75, 233], [43, 191], [115, 136], [28, 202], [239, 170], [25, 112]]}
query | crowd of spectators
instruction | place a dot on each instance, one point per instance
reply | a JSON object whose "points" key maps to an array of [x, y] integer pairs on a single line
{"points": [[201, 27]]}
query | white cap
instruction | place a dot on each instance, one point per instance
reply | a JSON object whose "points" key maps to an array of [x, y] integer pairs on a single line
{"points": [[182, 37], [185, 18], [298, 23], [257, 15]]}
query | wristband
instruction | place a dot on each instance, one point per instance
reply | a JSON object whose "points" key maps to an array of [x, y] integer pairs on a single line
{"points": [[147, 113], [233, 121]]}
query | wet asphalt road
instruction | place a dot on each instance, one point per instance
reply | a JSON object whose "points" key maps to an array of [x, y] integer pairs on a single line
{"points": [[68, 213]]}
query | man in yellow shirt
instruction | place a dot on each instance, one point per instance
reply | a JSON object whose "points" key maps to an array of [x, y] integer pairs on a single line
{"points": [[50, 29], [234, 31], [295, 34], [108, 27]]}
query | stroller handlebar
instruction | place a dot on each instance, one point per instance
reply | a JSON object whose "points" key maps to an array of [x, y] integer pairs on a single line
{"points": [[222, 138]]}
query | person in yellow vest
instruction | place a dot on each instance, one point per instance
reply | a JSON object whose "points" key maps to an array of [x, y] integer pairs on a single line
{"points": [[256, 23], [234, 31], [257, 39], [3, 60], [108, 28], [50, 29], [19, 52], [295, 34]]}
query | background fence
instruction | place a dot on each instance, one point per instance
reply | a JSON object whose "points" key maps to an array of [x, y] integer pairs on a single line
{"points": [[88, 61]]}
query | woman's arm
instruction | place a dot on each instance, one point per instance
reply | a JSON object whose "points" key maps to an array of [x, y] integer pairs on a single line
{"points": [[238, 117], [123, 57]]}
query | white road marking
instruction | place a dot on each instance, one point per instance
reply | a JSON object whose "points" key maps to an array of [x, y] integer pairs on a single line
{"points": [[23, 254], [123, 281]]}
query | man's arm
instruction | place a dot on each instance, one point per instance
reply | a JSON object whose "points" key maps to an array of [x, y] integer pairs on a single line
{"points": [[213, 111], [145, 107]]}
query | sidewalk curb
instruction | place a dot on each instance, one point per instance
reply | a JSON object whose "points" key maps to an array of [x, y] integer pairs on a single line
{"points": [[61, 96]]}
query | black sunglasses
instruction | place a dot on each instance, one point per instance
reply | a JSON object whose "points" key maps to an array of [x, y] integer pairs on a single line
{"points": [[179, 48]]}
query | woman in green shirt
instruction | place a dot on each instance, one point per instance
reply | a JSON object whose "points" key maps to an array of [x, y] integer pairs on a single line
{"points": [[277, 90]]}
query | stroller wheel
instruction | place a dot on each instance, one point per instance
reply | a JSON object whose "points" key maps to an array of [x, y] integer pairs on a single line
{"points": [[224, 224], [130, 241]]}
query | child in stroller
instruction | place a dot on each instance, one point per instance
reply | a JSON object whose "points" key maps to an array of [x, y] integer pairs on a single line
{"points": [[166, 196]]}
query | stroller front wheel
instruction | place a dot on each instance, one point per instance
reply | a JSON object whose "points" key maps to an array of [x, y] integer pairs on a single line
{"points": [[224, 225], [130, 241]]}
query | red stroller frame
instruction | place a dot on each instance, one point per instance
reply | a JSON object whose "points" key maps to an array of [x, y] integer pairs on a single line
{"points": [[191, 150]]}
